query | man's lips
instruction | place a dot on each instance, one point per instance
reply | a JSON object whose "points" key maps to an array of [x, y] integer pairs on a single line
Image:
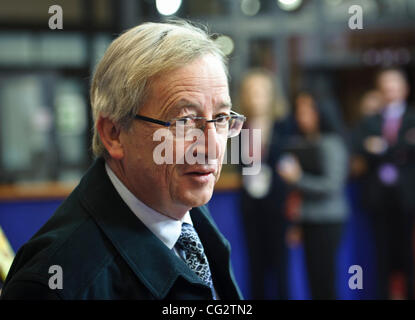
{"points": [[200, 170], [201, 174]]}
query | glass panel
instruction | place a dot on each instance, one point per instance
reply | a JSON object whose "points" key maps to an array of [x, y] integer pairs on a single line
{"points": [[48, 49], [71, 127], [26, 126], [67, 49], [44, 127], [16, 48]]}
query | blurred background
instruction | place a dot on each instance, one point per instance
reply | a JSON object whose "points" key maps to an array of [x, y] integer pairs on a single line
{"points": [[315, 47]]}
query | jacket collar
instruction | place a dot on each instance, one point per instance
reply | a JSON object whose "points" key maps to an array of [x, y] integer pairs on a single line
{"points": [[152, 262], [217, 249]]}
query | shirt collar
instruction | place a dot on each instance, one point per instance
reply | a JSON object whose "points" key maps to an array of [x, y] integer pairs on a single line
{"points": [[168, 230], [394, 110]]}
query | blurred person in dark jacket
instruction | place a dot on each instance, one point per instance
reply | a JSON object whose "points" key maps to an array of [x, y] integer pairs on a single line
{"points": [[316, 166], [386, 144], [370, 104], [263, 194]]}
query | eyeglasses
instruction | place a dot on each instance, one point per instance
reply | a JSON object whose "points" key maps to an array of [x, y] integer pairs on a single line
{"points": [[229, 125]]}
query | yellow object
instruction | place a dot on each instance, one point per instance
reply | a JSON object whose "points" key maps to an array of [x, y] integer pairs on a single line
{"points": [[6, 255]]}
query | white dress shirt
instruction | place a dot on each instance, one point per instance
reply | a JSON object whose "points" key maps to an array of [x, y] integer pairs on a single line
{"points": [[394, 110], [168, 230]]}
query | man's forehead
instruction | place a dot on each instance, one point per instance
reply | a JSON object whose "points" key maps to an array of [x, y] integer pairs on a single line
{"points": [[202, 82], [207, 66]]}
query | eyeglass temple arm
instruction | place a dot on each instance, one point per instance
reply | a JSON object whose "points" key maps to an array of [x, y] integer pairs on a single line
{"points": [[237, 115], [166, 124]]}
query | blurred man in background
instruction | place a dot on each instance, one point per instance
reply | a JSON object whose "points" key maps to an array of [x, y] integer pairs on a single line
{"points": [[386, 143]]}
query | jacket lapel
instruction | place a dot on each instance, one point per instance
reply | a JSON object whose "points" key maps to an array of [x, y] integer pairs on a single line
{"points": [[153, 263], [217, 250], [408, 120]]}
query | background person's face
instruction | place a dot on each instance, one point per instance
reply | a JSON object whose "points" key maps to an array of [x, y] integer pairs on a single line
{"points": [[392, 86], [257, 94], [306, 115], [200, 89]]}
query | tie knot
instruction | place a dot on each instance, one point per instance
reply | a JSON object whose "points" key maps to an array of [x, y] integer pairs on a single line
{"points": [[189, 240]]}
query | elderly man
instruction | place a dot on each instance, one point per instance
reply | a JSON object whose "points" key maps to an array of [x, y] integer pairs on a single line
{"points": [[135, 228]]}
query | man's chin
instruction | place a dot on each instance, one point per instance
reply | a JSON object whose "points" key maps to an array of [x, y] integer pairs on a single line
{"points": [[196, 198]]}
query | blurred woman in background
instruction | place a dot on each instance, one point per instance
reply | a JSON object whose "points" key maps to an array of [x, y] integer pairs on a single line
{"points": [[316, 166], [263, 194]]}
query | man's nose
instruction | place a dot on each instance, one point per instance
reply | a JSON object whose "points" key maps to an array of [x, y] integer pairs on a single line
{"points": [[211, 146]]}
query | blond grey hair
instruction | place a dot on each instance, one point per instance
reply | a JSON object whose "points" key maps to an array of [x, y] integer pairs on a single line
{"points": [[121, 79]]}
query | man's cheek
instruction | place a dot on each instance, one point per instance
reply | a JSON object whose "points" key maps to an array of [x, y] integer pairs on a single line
{"points": [[221, 157], [218, 172]]}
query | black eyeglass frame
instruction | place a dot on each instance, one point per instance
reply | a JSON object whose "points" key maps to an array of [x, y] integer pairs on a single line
{"points": [[233, 115]]}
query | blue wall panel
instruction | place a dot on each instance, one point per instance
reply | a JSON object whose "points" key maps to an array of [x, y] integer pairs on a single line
{"points": [[20, 220]]}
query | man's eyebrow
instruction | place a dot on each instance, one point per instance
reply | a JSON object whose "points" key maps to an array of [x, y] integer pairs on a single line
{"points": [[184, 103], [225, 105], [187, 103]]}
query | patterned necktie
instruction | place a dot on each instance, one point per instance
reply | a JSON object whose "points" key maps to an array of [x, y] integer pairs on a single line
{"points": [[195, 256]]}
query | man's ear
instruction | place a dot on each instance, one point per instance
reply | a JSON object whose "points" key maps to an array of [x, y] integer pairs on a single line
{"points": [[109, 133]]}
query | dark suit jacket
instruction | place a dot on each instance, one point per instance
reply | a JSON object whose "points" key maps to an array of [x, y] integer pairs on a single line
{"points": [[401, 154], [106, 252]]}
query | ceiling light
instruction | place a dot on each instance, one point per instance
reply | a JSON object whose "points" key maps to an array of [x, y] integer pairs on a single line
{"points": [[168, 7], [289, 5]]}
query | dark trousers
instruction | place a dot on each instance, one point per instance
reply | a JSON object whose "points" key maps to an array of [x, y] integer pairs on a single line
{"points": [[265, 228], [321, 242], [393, 235]]}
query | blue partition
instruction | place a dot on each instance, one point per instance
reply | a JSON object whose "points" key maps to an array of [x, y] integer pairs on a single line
{"points": [[356, 248], [20, 220]]}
